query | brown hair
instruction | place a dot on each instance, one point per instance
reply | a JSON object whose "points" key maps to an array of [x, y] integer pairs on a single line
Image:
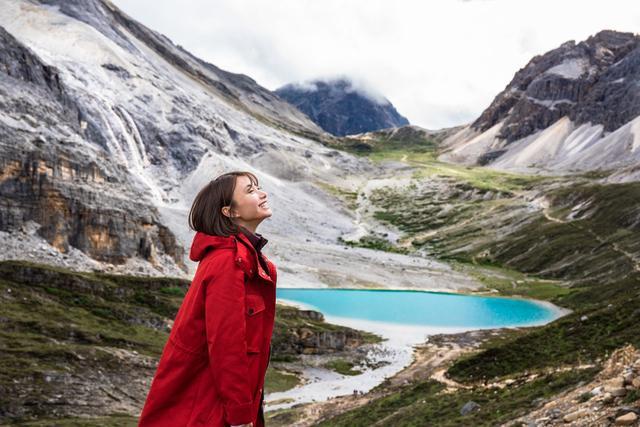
{"points": [[205, 214]]}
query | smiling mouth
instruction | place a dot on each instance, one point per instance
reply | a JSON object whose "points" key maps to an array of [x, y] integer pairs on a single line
{"points": [[264, 204]]}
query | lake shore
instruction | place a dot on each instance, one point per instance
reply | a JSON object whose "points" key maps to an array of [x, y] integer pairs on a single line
{"points": [[396, 354]]}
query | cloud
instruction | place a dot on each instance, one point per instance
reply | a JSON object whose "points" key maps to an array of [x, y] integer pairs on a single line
{"points": [[357, 85], [440, 62]]}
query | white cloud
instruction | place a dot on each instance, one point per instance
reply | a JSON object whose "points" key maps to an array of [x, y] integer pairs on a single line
{"points": [[440, 62]]}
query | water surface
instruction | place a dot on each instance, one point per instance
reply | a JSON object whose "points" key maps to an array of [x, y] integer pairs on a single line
{"points": [[409, 307]]}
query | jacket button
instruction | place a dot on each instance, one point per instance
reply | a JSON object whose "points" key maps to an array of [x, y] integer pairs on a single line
{"points": [[250, 271], [239, 260]]}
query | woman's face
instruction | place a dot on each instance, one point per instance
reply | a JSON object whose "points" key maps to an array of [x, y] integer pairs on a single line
{"points": [[251, 202]]}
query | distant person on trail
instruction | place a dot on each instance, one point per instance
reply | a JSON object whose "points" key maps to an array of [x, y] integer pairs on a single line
{"points": [[211, 372]]}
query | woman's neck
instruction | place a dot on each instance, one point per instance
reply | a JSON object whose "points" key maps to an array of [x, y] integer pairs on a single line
{"points": [[250, 227]]}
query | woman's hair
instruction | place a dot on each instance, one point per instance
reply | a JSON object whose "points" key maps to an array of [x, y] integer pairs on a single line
{"points": [[206, 215]]}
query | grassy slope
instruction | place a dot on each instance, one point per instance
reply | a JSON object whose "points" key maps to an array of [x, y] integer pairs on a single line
{"points": [[597, 247], [58, 324]]}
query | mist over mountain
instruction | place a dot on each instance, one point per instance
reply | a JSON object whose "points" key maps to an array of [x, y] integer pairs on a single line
{"points": [[342, 108]]}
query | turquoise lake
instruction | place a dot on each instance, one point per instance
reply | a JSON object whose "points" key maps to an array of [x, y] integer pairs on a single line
{"points": [[422, 308]]}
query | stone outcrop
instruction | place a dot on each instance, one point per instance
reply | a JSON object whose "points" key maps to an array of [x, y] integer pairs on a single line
{"points": [[611, 399], [305, 332]]}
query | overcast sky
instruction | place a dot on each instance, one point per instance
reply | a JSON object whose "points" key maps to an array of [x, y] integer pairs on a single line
{"points": [[440, 62]]}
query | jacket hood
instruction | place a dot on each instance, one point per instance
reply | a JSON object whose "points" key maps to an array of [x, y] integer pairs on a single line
{"points": [[203, 243]]}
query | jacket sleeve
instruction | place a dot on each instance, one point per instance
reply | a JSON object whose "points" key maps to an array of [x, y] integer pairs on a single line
{"points": [[226, 336]]}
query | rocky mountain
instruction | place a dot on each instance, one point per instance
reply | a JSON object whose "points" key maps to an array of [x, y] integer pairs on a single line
{"points": [[340, 107], [574, 108], [109, 129]]}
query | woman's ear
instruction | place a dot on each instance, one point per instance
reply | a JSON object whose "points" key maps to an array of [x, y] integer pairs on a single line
{"points": [[226, 211]]}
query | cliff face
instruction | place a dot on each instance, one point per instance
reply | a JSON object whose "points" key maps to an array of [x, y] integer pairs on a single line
{"points": [[50, 176]]}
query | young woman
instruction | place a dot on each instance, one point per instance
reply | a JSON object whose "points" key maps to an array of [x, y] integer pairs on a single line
{"points": [[211, 372]]}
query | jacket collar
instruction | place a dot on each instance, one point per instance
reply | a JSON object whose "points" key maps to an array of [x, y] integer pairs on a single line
{"points": [[245, 240], [257, 240]]}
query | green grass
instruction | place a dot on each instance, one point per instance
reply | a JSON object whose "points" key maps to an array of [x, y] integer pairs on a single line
{"points": [[492, 227], [593, 245], [348, 197], [282, 417], [427, 167], [279, 380], [343, 367], [509, 282], [374, 242]]}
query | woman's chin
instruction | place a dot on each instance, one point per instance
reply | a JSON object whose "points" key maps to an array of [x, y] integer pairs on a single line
{"points": [[267, 213]]}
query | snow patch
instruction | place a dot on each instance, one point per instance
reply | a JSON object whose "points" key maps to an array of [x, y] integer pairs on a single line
{"points": [[570, 68]]}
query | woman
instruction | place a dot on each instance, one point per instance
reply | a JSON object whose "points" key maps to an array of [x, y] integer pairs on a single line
{"points": [[211, 372]]}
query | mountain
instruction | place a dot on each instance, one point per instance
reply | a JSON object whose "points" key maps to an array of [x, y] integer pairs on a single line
{"points": [[109, 129], [574, 108], [340, 107]]}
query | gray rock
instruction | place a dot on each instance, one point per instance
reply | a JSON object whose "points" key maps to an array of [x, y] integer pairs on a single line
{"points": [[469, 407]]}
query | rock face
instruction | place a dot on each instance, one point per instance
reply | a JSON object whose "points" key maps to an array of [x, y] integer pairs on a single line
{"points": [[340, 108], [108, 130], [574, 108]]}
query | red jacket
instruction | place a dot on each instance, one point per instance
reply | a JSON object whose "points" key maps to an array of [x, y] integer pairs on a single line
{"points": [[212, 368]]}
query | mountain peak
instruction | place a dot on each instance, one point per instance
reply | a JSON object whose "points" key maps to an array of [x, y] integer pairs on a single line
{"points": [[584, 81]]}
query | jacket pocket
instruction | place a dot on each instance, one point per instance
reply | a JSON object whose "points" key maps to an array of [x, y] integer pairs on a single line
{"points": [[254, 316]]}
